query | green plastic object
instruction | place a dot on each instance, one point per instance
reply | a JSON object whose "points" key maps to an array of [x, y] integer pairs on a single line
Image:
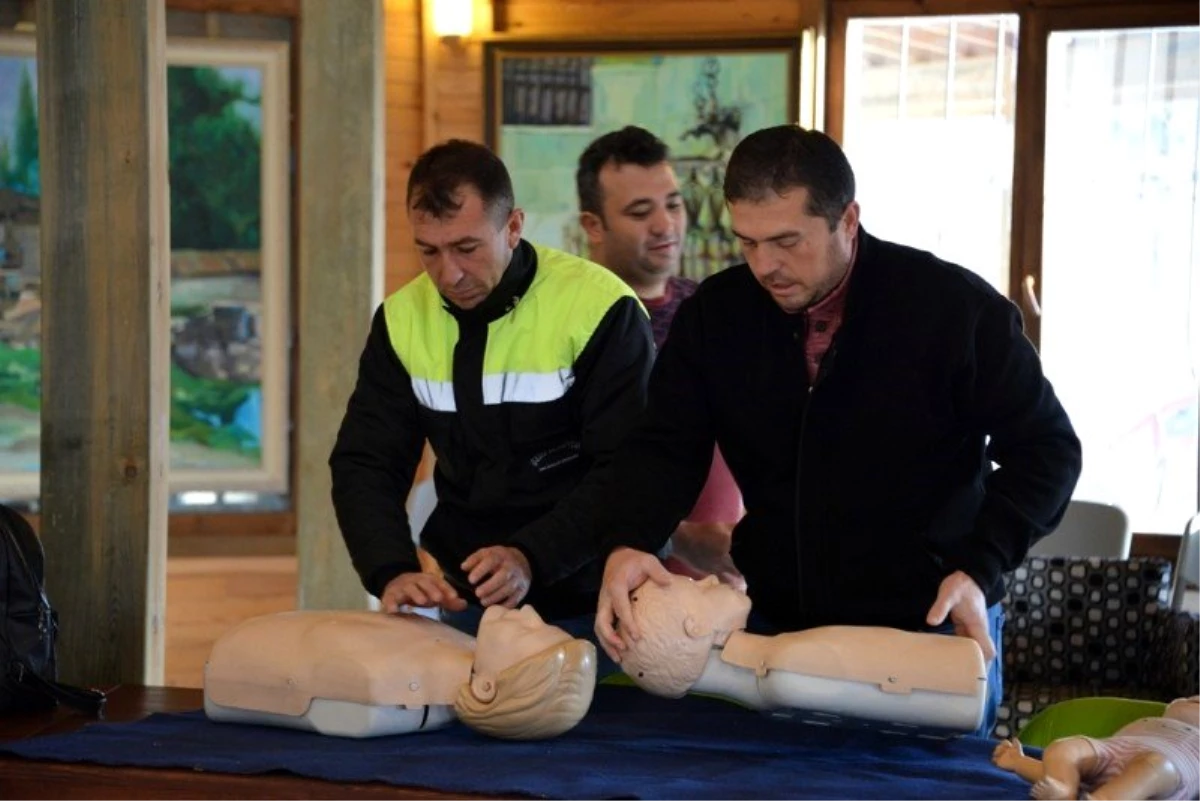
{"points": [[617, 680], [1093, 717]]}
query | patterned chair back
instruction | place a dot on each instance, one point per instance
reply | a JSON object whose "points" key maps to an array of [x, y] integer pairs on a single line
{"points": [[1082, 621], [1090, 626]]}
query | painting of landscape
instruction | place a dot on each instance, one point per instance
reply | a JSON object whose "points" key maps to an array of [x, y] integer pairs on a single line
{"points": [[547, 101], [228, 270]]}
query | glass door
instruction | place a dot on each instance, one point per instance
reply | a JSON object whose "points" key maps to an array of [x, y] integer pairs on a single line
{"points": [[1119, 298]]}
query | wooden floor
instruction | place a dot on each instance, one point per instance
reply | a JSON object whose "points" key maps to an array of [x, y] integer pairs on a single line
{"points": [[207, 595]]}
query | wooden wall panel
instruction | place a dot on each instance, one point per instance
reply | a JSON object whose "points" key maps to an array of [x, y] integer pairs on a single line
{"points": [[208, 596], [637, 17], [404, 120]]}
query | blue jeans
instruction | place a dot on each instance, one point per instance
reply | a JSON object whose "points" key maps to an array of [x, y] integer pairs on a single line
{"points": [[582, 627], [995, 679], [995, 671]]}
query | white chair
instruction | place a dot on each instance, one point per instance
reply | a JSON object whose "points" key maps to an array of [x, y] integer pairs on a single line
{"points": [[1088, 529], [419, 506], [1187, 569]]}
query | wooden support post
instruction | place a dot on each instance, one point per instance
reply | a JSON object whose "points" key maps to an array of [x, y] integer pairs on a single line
{"points": [[105, 332], [341, 264]]}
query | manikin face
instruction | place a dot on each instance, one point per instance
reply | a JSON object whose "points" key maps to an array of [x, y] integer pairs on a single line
{"points": [[508, 636], [793, 254], [467, 252], [640, 235], [719, 605]]}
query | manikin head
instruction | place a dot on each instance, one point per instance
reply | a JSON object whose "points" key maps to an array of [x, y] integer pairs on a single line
{"points": [[530, 680], [680, 624]]}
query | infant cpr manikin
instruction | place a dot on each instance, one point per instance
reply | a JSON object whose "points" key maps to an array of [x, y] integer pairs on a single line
{"points": [[692, 640]]}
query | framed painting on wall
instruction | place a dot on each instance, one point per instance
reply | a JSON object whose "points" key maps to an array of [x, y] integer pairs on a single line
{"points": [[228, 150], [546, 101]]}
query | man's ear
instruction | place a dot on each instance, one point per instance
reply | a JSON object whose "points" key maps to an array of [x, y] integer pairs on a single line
{"points": [[515, 227], [592, 226], [850, 218]]}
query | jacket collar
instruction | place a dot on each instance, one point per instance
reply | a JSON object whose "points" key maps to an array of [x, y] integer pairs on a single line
{"points": [[512, 287], [859, 284]]}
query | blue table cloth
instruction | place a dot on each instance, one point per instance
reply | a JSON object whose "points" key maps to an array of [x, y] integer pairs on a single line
{"points": [[630, 745]]}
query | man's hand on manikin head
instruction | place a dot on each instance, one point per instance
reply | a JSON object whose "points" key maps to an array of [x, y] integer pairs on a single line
{"points": [[625, 570]]}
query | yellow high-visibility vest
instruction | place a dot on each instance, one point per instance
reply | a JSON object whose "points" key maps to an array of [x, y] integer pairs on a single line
{"points": [[531, 351]]}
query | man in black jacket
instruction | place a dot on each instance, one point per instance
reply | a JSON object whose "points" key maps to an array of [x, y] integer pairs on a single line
{"points": [[524, 367], [861, 392]]}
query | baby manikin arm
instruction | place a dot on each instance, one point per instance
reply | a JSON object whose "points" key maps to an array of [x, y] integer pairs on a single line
{"points": [[884, 675], [354, 674]]}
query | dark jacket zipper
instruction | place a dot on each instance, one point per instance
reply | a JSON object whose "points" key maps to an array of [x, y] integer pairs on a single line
{"points": [[822, 371]]}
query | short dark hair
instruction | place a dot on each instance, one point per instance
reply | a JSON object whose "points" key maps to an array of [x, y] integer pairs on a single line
{"points": [[788, 157], [630, 145], [442, 171]]}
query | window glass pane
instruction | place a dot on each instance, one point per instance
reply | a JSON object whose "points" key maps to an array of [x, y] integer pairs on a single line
{"points": [[929, 130], [977, 66], [1121, 309], [928, 69], [877, 69]]}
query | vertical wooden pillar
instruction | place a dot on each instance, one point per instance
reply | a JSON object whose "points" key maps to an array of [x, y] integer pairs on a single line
{"points": [[341, 264], [105, 322]]}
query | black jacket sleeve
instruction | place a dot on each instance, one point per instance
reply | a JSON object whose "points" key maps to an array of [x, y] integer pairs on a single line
{"points": [[1030, 439], [660, 472], [373, 463], [611, 375]]}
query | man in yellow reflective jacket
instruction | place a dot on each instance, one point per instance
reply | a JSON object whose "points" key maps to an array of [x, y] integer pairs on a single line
{"points": [[524, 367]]}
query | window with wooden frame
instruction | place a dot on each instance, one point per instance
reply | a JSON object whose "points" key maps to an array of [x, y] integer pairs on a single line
{"points": [[1052, 147]]}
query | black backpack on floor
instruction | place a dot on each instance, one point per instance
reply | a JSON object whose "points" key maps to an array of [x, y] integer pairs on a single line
{"points": [[28, 626]]}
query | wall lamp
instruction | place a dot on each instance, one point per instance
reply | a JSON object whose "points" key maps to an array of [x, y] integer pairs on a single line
{"points": [[452, 19]]}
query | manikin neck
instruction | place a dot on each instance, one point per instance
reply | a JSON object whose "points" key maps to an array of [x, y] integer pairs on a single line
{"points": [[730, 681]]}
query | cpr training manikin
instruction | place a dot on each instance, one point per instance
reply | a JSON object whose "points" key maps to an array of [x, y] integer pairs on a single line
{"points": [[363, 674], [367, 674], [692, 639]]}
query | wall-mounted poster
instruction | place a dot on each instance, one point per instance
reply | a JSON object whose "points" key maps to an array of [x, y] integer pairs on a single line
{"points": [[227, 128], [546, 101]]}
